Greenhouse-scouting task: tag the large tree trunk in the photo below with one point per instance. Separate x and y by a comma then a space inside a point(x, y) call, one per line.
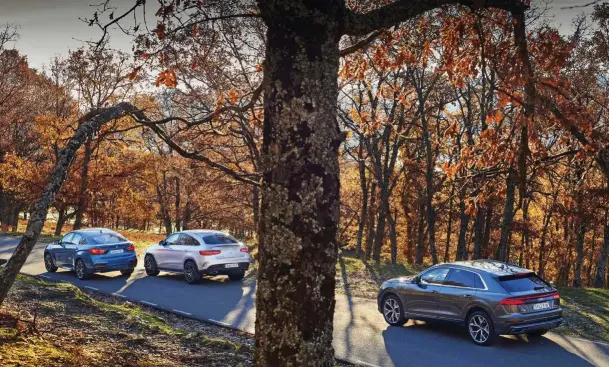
point(478, 233)
point(603, 258)
point(364, 211)
point(379, 239)
point(508, 218)
point(464, 220)
point(450, 223)
point(39, 213)
point(81, 207)
point(371, 223)
point(300, 186)
point(177, 204)
point(394, 238)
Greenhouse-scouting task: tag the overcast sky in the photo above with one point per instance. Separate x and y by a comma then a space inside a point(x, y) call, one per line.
point(52, 27)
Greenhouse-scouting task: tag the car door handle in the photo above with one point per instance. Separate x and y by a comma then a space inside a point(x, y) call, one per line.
point(434, 292)
point(467, 296)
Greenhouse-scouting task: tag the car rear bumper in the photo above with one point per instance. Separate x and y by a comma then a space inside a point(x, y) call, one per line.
point(103, 267)
point(221, 269)
point(535, 326)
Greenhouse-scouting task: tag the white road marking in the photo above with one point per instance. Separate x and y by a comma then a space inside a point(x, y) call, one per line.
point(148, 303)
point(220, 322)
point(44, 276)
point(362, 363)
point(182, 312)
point(590, 341)
point(94, 289)
point(119, 295)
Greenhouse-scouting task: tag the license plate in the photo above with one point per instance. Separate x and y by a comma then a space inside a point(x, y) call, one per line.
point(541, 306)
point(116, 251)
point(231, 265)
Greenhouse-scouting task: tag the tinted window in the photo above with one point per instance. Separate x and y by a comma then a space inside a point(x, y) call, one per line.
point(105, 238)
point(435, 276)
point(187, 240)
point(173, 239)
point(219, 239)
point(520, 283)
point(77, 239)
point(461, 278)
point(67, 238)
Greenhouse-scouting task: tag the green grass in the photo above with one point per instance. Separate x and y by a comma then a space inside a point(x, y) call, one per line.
point(359, 278)
point(133, 313)
point(586, 313)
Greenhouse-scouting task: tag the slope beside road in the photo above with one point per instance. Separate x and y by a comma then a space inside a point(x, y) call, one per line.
point(360, 334)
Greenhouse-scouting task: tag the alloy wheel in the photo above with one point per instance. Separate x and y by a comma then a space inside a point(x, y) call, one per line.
point(48, 262)
point(479, 329)
point(189, 273)
point(148, 263)
point(80, 270)
point(391, 310)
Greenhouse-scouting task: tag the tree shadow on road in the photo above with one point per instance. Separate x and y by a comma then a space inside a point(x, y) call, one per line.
point(439, 344)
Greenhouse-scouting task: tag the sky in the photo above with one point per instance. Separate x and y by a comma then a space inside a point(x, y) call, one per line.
point(50, 28)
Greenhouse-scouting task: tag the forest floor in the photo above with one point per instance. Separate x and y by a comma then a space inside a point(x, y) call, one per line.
point(48, 324)
point(585, 310)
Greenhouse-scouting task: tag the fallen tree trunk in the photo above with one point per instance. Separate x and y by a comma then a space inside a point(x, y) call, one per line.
point(91, 123)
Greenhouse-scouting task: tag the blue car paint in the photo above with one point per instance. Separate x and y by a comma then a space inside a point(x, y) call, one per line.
point(67, 254)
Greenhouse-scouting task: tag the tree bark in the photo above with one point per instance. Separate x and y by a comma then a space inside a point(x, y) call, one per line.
point(371, 222)
point(364, 211)
point(461, 243)
point(300, 185)
point(38, 215)
point(603, 258)
point(177, 204)
point(450, 223)
point(81, 207)
point(508, 217)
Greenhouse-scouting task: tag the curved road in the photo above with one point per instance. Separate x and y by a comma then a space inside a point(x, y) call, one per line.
point(360, 334)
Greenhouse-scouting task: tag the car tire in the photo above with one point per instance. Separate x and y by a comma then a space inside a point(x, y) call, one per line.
point(49, 263)
point(81, 270)
point(150, 266)
point(537, 334)
point(127, 272)
point(235, 277)
point(191, 273)
point(393, 311)
point(480, 329)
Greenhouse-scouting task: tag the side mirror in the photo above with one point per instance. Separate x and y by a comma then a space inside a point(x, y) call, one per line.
point(163, 243)
point(416, 280)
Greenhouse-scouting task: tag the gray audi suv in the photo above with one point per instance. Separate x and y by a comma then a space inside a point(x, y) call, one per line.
point(488, 297)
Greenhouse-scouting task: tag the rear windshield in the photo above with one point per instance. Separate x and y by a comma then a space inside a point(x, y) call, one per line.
point(105, 238)
point(523, 283)
point(219, 239)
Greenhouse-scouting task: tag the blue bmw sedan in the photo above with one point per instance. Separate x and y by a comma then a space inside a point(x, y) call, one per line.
point(88, 251)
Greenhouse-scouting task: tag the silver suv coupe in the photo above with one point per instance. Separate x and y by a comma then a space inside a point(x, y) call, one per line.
point(488, 297)
point(196, 253)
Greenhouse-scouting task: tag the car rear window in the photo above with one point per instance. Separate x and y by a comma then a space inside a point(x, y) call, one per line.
point(105, 238)
point(219, 239)
point(522, 283)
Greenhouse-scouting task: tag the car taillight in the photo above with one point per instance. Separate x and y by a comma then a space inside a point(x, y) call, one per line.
point(130, 248)
point(96, 251)
point(245, 249)
point(521, 300)
point(209, 252)
point(512, 301)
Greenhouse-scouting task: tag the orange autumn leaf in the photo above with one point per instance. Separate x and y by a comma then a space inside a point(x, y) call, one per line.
point(167, 78)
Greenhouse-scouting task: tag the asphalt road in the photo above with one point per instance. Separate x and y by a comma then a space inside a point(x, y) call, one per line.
point(360, 334)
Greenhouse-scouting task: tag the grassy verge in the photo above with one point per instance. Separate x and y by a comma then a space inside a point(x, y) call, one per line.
point(57, 324)
point(359, 278)
point(47, 324)
point(586, 313)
